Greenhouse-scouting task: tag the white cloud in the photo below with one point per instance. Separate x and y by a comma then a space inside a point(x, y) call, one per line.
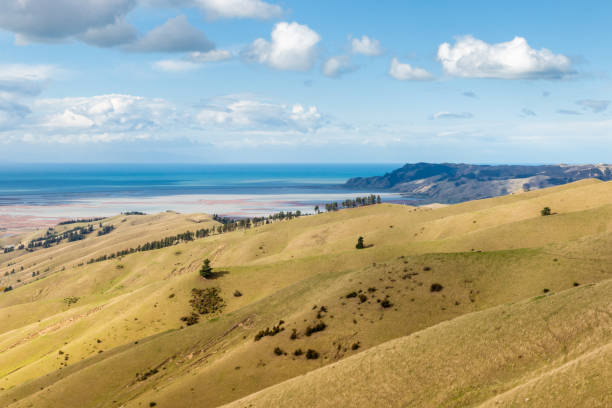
point(595, 105)
point(21, 79)
point(239, 9)
point(335, 66)
point(45, 20)
point(193, 61)
point(175, 35)
point(210, 56)
point(452, 115)
point(366, 46)
point(292, 47)
point(405, 72)
point(117, 33)
point(470, 57)
point(238, 113)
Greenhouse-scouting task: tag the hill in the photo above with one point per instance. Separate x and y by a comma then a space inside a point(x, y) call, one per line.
point(475, 303)
point(453, 183)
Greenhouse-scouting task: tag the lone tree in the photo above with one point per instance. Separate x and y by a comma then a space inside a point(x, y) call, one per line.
point(360, 243)
point(316, 209)
point(207, 271)
point(545, 211)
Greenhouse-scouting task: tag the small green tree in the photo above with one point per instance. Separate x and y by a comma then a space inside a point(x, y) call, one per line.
point(316, 209)
point(359, 243)
point(545, 211)
point(207, 270)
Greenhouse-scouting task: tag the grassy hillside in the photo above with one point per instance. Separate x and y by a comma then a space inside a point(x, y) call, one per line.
point(465, 287)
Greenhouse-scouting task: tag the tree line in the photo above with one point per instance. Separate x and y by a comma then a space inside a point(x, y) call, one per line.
point(348, 203)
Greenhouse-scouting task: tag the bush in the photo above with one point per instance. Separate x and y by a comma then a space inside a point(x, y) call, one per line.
point(312, 354)
point(386, 303)
point(355, 346)
point(351, 295)
point(546, 290)
point(278, 351)
point(545, 211)
point(237, 293)
point(298, 352)
point(426, 268)
point(363, 298)
point(206, 301)
point(316, 328)
point(191, 319)
point(270, 332)
point(576, 284)
point(293, 334)
point(436, 287)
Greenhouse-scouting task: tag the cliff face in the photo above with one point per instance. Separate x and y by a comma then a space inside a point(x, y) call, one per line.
point(452, 183)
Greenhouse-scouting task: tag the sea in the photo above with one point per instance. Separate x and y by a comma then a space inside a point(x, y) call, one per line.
point(34, 195)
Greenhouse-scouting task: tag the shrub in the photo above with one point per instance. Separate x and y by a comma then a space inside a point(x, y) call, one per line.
point(359, 243)
point(371, 290)
point(193, 318)
point(293, 334)
point(152, 404)
point(311, 354)
point(386, 303)
point(426, 268)
point(436, 287)
point(316, 328)
point(545, 211)
point(576, 284)
point(298, 352)
point(171, 296)
point(270, 332)
point(546, 290)
point(351, 295)
point(363, 298)
point(278, 351)
point(237, 293)
point(355, 346)
point(206, 301)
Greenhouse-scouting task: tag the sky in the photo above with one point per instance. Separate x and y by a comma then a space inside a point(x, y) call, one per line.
point(266, 81)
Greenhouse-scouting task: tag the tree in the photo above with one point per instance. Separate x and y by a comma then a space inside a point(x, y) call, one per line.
point(207, 271)
point(316, 209)
point(378, 200)
point(545, 211)
point(360, 243)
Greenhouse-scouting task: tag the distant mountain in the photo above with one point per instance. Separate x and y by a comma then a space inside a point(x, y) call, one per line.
point(453, 183)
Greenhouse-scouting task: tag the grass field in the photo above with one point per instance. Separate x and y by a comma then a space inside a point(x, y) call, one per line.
point(484, 303)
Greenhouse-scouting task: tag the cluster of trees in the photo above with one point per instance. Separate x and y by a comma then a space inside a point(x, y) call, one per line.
point(105, 229)
point(80, 220)
point(52, 237)
point(348, 203)
point(227, 225)
point(133, 213)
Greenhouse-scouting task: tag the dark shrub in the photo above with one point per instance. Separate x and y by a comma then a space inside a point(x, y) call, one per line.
point(278, 351)
point(293, 334)
point(270, 332)
point(363, 298)
point(371, 290)
point(386, 303)
point(576, 284)
point(355, 346)
point(351, 295)
point(546, 290)
point(316, 328)
point(152, 404)
point(206, 301)
point(545, 211)
point(237, 293)
point(193, 318)
point(298, 352)
point(436, 287)
point(426, 268)
point(359, 243)
point(312, 354)
point(206, 271)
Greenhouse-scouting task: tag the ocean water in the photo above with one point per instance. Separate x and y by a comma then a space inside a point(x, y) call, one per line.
point(33, 196)
point(41, 184)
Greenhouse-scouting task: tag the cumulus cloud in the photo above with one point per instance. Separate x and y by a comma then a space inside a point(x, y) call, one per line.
point(336, 66)
point(254, 115)
point(366, 46)
point(44, 20)
point(594, 105)
point(470, 57)
point(175, 35)
point(117, 33)
point(210, 56)
point(452, 115)
point(292, 47)
point(238, 9)
point(405, 72)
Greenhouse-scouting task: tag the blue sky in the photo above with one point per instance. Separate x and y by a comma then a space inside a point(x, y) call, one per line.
point(304, 81)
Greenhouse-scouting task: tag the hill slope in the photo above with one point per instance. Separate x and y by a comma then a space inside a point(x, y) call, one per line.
point(109, 333)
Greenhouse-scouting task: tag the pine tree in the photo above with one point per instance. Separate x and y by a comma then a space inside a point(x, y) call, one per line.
point(207, 271)
point(360, 243)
